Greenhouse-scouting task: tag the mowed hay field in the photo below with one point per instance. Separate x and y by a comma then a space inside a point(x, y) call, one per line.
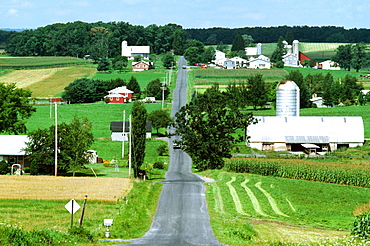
point(63, 188)
point(47, 81)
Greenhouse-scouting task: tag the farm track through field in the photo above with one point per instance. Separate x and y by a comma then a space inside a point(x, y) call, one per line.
point(234, 194)
point(254, 200)
point(270, 199)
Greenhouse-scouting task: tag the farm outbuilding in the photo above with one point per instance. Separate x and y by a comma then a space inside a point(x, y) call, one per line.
point(131, 51)
point(12, 149)
point(304, 133)
point(120, 134)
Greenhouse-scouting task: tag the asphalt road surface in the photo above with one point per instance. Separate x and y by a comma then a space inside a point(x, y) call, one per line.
point(182, 215)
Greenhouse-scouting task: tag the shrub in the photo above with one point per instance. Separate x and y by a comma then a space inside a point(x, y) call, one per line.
point(280, 64)
point(162, 149)
point(158, 165)
point(81, 233)
point(4, 167)
point(361, 226)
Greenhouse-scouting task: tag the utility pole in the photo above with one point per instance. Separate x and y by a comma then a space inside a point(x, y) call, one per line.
point(130, 148)
point(123, 134)
point(56, 140)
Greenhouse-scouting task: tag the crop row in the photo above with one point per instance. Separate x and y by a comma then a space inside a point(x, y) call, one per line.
point(322, 174)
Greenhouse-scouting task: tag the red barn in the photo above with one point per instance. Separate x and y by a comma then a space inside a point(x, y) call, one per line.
point(120, 95)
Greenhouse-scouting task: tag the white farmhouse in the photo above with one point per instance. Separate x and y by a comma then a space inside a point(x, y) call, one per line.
point(329, 65)
point(259, 62)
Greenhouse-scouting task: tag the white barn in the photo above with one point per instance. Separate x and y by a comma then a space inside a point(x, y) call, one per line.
point(304, 134)
point(131, 51)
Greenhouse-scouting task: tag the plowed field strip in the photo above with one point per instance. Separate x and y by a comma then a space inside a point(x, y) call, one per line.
point(236, 199)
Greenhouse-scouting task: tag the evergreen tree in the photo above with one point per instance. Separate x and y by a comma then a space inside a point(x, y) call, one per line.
point(139, 118)
point(327, 95)
point(279, 51)
point(134, 86)
point(238, 43)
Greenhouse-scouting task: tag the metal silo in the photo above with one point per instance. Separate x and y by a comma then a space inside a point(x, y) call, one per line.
point(287, 99)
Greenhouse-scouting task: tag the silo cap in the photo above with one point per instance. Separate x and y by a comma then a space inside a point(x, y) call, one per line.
point(287, 85)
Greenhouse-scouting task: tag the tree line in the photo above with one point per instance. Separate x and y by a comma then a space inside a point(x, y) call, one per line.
point(101, 39)
point(329, 34)
point(93, 90)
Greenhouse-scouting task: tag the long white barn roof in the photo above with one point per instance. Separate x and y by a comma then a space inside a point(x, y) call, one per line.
point(13, 144)
point(307, 129)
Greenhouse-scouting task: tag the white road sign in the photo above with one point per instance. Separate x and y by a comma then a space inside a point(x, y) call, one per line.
point(72, 206)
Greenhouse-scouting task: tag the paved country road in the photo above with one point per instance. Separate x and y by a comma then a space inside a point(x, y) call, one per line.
point(182, 215)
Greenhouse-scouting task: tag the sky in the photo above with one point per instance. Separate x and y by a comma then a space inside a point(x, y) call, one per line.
point(31, 14)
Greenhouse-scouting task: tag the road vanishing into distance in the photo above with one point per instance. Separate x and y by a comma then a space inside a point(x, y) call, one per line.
point(182, 216)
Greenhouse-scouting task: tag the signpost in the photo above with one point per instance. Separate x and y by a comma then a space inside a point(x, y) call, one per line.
point(72, 206)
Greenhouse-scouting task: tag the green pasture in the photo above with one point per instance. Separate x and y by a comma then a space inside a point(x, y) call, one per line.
point(100, 115)
point(236, 199)
point(40, 62)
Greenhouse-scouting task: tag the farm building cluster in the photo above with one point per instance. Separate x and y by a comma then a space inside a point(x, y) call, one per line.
point(293, 58)
point(288, 131)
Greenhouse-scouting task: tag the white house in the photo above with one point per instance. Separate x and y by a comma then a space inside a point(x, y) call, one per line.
point(140, 66)
point(131, 51)
point(12, 149)
point(229, 64)
point(220, 58)
point(259, 62)
point(239, 62)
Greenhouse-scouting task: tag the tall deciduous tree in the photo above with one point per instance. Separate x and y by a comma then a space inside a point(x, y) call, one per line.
point(207, 127)
point(139, 118)
point(257, 91)
point(360, 57)
point(74, 139)
point(304, 92)
point(168, 60)
point(344, 56)
point(14, 108)
point(155, 89)
point(160, 119)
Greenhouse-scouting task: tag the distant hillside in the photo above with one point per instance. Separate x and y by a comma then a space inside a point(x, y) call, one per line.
point(13, 29)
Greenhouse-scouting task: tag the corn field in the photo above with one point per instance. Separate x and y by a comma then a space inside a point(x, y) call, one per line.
point(325, 174)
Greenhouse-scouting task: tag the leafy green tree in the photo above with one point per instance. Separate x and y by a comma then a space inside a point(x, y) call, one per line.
point(168, 60)
point(139, 118)
point(350, 89)
point(103, 65)
point(160, 119)
point(207, 127)
point(154, 89)
point(304, 93)
point(257, 91)
point(221, 47)
point(248, 40)
point(360, 57)
point(99, 47)
point(15, 108)
point(119, 63)
point(134, 86)
point(344, 56)
point(85, 91)
point(279, 51)
point(209, 54)
point(194, 51)
point(178, 44)
point(327, 95)
point(238, 43)
point(74, 139)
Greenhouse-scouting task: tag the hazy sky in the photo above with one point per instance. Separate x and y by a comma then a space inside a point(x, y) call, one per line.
point(189, 14)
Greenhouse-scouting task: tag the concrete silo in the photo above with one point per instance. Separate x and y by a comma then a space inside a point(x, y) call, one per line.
point(287, 99)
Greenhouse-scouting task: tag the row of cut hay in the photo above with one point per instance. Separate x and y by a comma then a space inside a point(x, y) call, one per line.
point(63, 188)
point(303, 172)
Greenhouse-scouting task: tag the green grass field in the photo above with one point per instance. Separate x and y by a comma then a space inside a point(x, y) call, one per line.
point(39, 62)
point(280, 210)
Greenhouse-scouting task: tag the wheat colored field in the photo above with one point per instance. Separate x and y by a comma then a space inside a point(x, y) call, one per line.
point(63, 188)
point(49, 81)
